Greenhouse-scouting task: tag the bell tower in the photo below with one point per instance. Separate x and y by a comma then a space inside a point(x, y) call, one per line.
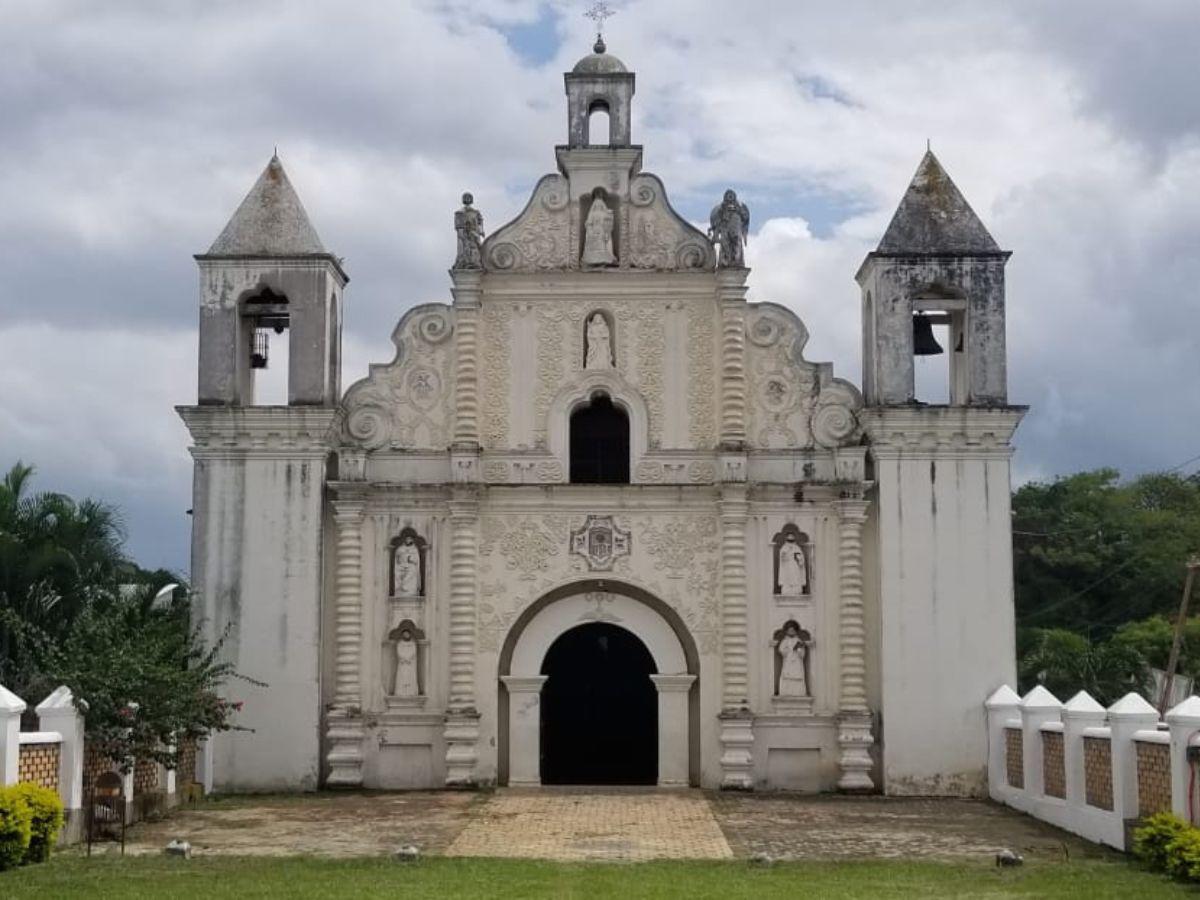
point(258, 484)
point(940, 522)
point(599, 83)
point(267, 278)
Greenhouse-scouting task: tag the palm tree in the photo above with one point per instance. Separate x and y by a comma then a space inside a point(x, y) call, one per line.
point(54, 554)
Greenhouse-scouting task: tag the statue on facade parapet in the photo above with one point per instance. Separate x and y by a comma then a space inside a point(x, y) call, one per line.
point(729, 227)
point(468, 224)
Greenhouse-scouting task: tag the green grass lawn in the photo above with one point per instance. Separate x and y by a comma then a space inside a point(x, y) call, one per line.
point(71, 875)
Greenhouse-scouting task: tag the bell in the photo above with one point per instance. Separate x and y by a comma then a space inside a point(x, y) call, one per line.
point(258, 349)
point(924, 343)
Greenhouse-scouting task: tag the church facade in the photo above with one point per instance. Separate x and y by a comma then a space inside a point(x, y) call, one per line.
point(600, 520)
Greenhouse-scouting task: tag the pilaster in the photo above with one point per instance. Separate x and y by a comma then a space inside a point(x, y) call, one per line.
point(466, 292)
point(731, 291)
point(344, 726)
point(462, 717)
point(736, 734)
point(854, 717)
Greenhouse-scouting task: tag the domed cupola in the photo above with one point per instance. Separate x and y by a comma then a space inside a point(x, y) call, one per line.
point(599, 81)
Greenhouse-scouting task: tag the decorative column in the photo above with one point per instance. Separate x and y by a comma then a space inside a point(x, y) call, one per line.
point(344, 725)
point(464, 452)
point(673, 728)
point(737, 721)
point(462, 717)
point(731, 288)
point(524, 728)
point(11, 707)
point(854, 717)
point(59, 713)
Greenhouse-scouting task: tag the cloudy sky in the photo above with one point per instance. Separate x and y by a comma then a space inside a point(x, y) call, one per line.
point(131, 131)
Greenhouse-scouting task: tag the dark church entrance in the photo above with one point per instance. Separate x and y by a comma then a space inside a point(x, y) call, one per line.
point(599, 709)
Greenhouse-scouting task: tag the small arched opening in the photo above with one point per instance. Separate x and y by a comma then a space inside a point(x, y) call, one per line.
point(599, 124)
point(599, 443)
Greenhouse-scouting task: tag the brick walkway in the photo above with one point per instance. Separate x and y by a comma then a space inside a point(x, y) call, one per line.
point(587, 825)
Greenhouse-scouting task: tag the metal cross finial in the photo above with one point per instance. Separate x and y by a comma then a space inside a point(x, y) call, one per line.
point(598, 13)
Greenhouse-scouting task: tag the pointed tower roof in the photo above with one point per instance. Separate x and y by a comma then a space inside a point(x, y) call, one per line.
point(934, 217)
point(271, 221)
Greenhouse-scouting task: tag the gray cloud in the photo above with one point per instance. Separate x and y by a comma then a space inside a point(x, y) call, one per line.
point(132, 132)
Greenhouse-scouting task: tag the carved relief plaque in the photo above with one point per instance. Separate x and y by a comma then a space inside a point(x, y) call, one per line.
point(600, 542)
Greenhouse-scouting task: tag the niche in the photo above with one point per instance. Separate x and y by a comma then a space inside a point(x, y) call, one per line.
point(792, 563)
point(408, 564)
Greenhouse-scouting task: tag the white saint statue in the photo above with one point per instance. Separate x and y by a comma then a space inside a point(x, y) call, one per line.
point(598, 233)
point(793, 568)
point(406, 665)
point(792, 648)
point(406, 569)
point(599, 344)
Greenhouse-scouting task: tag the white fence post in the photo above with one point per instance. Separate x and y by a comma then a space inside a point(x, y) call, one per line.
point(1184, 721)
point(58, 713)
point(1081, 712)
point(1128, 715)
point(11, 707)
point(1001, 707)
point(1038, 707)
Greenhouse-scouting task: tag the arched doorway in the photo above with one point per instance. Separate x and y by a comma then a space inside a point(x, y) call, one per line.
point(532, 648)
point(599, 709)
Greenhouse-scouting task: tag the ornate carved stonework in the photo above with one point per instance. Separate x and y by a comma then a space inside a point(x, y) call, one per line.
point(540, 237)
point(496, 340)
point(658, 237)
point(600, 542)
point(702, 416)
point(793, 403)
point(405, 404)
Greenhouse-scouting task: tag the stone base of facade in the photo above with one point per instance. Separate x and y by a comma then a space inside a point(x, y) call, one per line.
point(854, 757)
point(737, 750)
point(344, 734)
point(462, 748)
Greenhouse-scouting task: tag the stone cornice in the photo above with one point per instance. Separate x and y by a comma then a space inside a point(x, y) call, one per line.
point(601, 284)
point(266, 430)
point(896, 431)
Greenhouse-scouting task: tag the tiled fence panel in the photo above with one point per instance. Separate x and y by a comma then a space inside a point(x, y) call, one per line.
point(1014, 757)
point(39, 764)
point(1054, 773)
point(1154, 778)
point(1097, 770)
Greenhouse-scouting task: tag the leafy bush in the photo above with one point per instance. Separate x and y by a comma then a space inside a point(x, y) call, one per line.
point(1151, 840)
point(46, 813)
point(16, 821)
point(1167, 843)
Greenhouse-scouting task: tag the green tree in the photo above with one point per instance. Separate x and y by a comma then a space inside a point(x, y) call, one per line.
point(1066, 662)
point(1091, 553)
point(75, 610)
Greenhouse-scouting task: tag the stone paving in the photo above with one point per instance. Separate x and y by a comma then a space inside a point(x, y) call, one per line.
point(591, 825)
point(606, 824)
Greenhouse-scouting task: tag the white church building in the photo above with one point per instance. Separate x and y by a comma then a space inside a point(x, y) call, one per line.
point(600, 520)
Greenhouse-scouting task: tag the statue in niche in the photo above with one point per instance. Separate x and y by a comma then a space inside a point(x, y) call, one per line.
point(793, 567)
point(599, 344)
point(792, 644)
point(468, 224)
point(598, 232)
point(406, 568)
point(729, 226)
point(407, 683)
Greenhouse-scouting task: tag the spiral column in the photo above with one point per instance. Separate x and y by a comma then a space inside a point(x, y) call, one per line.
point(466, 358)
point(344, 726)
point(854, 717)
point(462, 717)
point(736, 720)
point(731, 286)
